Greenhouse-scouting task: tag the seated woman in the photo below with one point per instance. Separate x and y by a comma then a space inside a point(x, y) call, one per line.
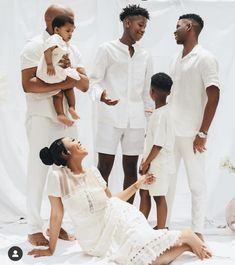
point(107, 227)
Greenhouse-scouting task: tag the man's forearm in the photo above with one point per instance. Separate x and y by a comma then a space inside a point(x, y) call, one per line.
point(83, 83)
point(210, 109)
point(35, 85)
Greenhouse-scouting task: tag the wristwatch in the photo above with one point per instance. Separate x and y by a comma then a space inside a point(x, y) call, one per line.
point(201, 134)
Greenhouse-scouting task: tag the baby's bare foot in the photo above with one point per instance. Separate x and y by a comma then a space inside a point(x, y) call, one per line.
point(66, 121)
point(73, 113)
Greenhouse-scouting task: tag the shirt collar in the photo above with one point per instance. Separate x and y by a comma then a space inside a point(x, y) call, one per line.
point(125, 47)
point(194, 51)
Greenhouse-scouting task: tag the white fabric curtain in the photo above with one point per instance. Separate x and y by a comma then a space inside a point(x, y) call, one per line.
point(98, 21)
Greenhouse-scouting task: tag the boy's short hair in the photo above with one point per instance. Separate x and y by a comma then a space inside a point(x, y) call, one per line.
point(134, 10)
point(161, 82)
point(61, 20)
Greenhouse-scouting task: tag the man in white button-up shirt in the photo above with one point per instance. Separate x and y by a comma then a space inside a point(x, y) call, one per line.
point(41, 123)
point(120, 84)
point(193, 102)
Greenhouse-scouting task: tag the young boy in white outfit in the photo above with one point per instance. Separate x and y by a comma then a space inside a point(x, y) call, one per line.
point(50, 71)
point(158, 156)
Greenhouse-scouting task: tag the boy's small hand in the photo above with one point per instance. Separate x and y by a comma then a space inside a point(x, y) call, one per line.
point(144, 167)
point(50, 70)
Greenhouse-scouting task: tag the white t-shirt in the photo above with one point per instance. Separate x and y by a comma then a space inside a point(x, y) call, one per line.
point(30, 58)
point(160, 132)
point(191, 75)
point(125, 78)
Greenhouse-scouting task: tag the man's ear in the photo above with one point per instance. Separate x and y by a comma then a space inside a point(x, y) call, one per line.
point(189, 25)
point(127, 23)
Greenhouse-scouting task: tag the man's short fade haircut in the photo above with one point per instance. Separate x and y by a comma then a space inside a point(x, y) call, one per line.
point(134, 10)
point(194, 17)
point(61, 20)
point(161, 82)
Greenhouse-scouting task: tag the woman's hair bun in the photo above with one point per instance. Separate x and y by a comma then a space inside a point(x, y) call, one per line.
point(46, 156)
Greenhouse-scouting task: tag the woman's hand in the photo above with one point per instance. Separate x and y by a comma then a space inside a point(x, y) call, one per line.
point(145, 179)
point(40, 252)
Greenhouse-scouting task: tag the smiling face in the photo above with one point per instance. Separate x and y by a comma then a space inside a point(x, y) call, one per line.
point(135, 27)
point(74, 147)
point(65, 31)
point(182, 29)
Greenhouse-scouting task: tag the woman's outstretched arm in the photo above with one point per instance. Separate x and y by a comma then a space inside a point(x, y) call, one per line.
point(57, 212)
point(126, 194)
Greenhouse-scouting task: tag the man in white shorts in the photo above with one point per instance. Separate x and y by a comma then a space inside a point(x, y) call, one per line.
point(41, 124)
point(193, 102)
point(123, 69)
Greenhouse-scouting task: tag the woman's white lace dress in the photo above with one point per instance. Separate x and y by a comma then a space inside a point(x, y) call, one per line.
point(107, 227)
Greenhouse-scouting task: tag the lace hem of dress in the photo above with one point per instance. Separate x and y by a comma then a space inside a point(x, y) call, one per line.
point(153, 249)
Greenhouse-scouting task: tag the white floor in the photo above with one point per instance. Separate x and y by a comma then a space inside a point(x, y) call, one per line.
point(220, 241)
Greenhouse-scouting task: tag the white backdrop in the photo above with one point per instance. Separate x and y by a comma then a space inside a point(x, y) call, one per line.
point(98, 21)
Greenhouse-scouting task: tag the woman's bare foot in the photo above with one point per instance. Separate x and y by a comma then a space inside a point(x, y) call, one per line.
point(66, 121)
point(38, 239)
point(73, 113)
point(63, 235)
point(196, 244)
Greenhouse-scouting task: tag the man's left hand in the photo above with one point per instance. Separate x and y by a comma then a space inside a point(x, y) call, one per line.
point(199, 144)
point(65, 61)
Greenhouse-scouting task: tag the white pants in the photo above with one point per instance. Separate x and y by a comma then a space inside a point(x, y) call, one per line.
point(41, 132)
point(195, 169)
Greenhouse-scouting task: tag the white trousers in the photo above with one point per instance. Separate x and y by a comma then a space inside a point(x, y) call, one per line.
point(41, 132)
point(195, 169)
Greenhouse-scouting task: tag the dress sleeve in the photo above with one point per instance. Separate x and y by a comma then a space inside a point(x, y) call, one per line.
point(99, 177)
point(54, 40)
point(53, 184)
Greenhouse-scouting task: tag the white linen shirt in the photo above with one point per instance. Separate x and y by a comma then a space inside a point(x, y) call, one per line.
point(30, 57)
point(124, 78)
point(160, 132)
point(191, 75)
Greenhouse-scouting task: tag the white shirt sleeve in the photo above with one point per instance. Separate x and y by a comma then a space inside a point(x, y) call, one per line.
point(53, 184)
point(99, 178)
point(98, 73)
point(31, 54)
point(54, 40)
point(209, 71)
point(148, 102)
point(159, 132)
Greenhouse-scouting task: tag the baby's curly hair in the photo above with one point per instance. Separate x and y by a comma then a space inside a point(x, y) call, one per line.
point(134, 10)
